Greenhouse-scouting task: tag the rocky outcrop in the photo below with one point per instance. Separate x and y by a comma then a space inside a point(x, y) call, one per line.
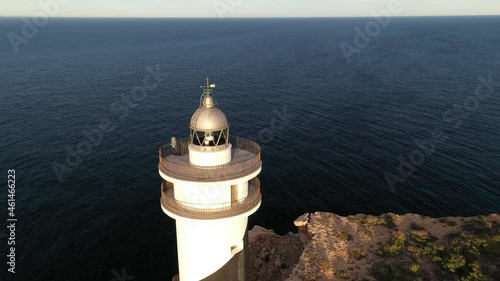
point(387, 247)
point(270, 256)
point(302, 220)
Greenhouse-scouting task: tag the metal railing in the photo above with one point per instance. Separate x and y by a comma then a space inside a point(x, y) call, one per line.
point(211, 211)
point(174, 162)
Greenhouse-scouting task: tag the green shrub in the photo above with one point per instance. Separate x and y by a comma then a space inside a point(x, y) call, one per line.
point(389, 221)
point(345, 236)
point(395, 247)
point(453, 262)
point(367, 220)
point(447, 221)
point(453, 235)
point(402, 271)
point(342, 274)
point(358, 254)
point(429, 251)
point(368, 232)
point(373, 221)
point(323, 264)
point(425, 239)
point(474, 274)
point(477, 226)
point(415, 268)
point(492, 246)
point(414, 226)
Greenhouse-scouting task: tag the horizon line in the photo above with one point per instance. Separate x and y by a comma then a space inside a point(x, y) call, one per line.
point(252, 17)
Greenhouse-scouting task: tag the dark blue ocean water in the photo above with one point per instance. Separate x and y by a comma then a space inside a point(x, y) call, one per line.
point(345, 126)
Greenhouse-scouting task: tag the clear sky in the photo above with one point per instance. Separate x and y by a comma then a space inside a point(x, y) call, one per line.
point(246, 8)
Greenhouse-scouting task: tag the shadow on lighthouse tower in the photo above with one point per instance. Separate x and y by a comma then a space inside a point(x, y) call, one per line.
point(210, 188)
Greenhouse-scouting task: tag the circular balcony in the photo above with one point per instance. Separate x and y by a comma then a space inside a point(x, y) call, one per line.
point(211, 211)
point(174, 162)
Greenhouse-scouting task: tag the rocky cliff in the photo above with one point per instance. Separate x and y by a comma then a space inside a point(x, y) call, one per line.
point(387, 247)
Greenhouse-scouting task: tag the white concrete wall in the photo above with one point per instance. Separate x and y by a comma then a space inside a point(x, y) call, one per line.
point(242, 190)
point(209, 158)
point(202, 194)
point(209, 192)
point(204, 246)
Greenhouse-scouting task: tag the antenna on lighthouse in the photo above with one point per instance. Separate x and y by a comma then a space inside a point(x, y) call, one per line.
point(207, 90)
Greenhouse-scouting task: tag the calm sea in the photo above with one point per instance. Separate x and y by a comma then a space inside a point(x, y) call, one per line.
point(331, 130)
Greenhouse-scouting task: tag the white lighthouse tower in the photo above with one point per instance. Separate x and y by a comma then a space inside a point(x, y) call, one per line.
point(210, 188)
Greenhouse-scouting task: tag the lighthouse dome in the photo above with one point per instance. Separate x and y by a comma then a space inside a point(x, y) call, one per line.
point(208, 117)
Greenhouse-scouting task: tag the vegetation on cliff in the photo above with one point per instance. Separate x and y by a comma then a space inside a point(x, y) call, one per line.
point(398, 247)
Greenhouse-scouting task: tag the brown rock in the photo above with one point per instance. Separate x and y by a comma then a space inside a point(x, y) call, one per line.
point(256, 232)
point(272, 257)
point(302, 220)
